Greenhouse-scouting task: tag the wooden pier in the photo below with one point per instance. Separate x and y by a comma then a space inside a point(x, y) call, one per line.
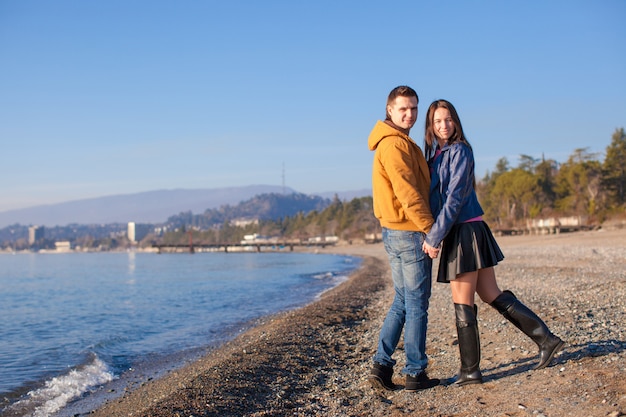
point(237, 247)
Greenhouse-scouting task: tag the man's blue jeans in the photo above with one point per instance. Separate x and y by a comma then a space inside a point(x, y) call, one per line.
point(412, 277)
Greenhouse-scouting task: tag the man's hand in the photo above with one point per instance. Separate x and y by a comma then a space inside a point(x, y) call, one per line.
point(432, 251)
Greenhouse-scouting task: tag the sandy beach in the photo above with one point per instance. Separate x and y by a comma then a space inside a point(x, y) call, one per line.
point(314, 361)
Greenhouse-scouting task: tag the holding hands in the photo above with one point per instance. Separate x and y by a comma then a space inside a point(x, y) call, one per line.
point(432, 251)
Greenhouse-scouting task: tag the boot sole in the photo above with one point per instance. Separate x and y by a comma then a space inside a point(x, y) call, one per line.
point(468, 382)
point(554, 351)
point(454, 381)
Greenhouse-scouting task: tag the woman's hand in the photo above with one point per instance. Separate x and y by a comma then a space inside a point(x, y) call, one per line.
point(432, 251)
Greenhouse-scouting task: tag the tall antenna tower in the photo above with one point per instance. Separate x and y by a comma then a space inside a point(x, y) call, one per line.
point(283, 178)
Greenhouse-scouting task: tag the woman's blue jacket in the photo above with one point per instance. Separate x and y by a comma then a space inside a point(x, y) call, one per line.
point(453, 198)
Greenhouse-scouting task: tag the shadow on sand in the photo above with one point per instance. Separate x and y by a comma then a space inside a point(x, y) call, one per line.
point(568, 354)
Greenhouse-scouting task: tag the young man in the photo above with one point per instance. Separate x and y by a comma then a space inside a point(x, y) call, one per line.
point(400, 185)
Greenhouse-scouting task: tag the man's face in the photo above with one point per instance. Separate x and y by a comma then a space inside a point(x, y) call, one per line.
point(403, 112)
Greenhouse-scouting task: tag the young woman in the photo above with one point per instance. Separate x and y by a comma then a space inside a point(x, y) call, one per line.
point(469, 250)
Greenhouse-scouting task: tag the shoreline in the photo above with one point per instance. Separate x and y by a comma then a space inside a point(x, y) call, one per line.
point(314, 360)
point(270, 339)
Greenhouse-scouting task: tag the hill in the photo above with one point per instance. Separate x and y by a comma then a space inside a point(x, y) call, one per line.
point(270, 206)
point(145, 207)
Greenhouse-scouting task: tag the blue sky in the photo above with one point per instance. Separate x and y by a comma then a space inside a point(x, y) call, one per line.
point(116, 97)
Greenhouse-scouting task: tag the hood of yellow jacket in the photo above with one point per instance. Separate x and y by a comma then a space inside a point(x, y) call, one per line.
point(380, 131)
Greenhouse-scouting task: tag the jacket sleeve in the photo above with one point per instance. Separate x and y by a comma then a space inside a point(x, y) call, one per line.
point(461, 166)
point(399, 163)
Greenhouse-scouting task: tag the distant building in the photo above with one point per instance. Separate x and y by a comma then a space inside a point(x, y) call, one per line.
point(324, 239)
point(131, 232)
point(35, 233)
point(136, 232)
point(243, 222)
point(63, 246)
point(256, 238)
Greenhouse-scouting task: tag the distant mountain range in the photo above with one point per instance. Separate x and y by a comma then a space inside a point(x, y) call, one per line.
point(146, 207)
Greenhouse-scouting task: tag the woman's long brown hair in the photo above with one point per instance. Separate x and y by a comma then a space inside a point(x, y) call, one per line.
point(430, 138)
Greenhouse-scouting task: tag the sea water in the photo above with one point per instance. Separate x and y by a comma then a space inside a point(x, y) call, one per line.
point(73, 324)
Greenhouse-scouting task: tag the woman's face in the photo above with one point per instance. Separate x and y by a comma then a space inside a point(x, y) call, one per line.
point(442, 124)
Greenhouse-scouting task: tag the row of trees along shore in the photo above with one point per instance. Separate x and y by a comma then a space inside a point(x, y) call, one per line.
point(581, 186)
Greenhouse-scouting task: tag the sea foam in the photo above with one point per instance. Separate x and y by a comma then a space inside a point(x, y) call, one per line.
point(59, 391)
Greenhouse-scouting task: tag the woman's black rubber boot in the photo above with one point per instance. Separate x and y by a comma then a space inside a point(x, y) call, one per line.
point(530, 324)
point(469, 345)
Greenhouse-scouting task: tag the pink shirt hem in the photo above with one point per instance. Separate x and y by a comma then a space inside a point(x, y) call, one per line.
point(475, 219)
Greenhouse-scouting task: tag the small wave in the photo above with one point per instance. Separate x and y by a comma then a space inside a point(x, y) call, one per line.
point(323, 275)
point(337, 279)
point(59, 391)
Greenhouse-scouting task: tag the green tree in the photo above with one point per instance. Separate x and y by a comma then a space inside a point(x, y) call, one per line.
point(357, 218)
point(578, 183)
point(613, 171)
point(484, 189)
point(516, 190)
point(527, 163)
point(546, 172)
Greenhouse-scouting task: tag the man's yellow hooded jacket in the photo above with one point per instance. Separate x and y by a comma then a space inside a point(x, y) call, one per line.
point(400, 180)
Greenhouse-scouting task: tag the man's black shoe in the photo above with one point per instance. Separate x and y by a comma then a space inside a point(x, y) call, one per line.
point(420, 382)
point(380, 377)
